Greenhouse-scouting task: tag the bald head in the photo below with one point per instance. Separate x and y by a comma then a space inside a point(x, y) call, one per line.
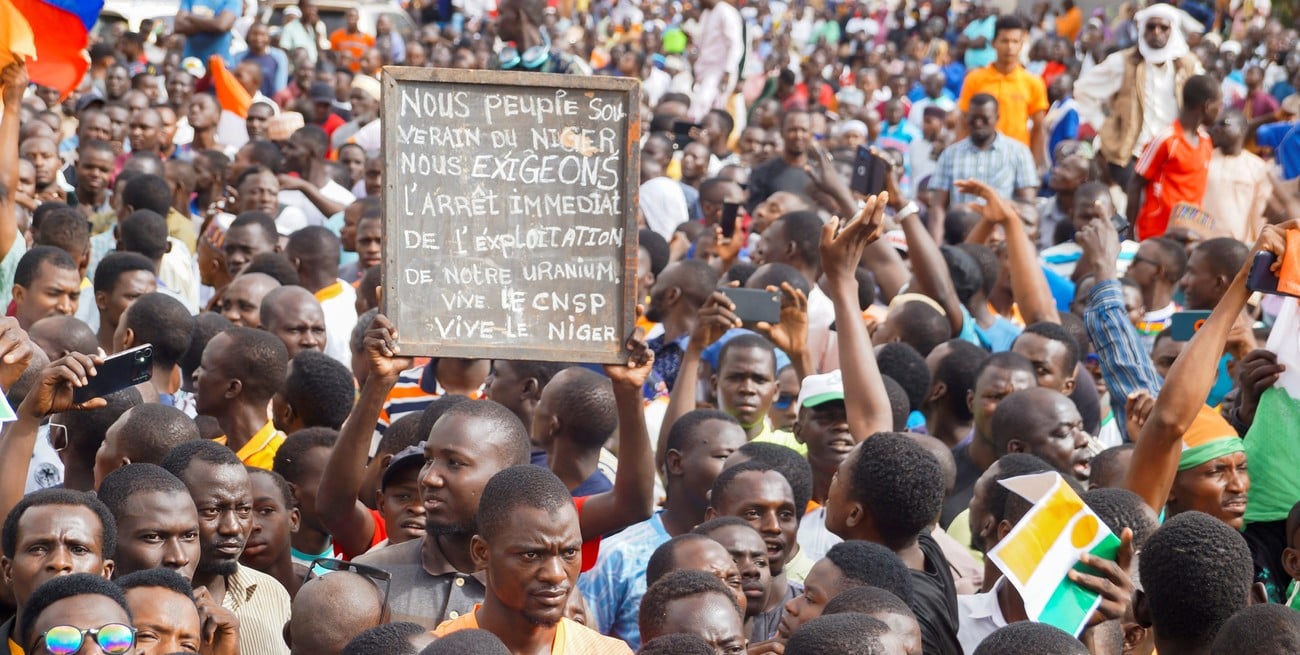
point(330, 610)
point(1043, 422)
point(295, 316)
point(941, 452)
point(241, 303)
point(60, 335)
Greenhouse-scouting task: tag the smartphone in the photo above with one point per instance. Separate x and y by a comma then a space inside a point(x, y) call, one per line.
point(1121, 225)
point(125, 369)
point(755, 305)
point(1185, 324)
point(730, 210)
point(869, 172)
point(1262, 278)
point(682, 133)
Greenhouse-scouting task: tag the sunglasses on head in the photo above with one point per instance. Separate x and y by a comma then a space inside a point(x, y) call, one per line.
point(382, 579)
point(112, 638)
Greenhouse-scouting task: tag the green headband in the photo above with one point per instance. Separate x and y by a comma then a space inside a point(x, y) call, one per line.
point(1194, 457)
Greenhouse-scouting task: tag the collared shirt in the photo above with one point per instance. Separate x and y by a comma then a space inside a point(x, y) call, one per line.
point(1020, 95)
point(262, 605)
point(614, 587)
point(1006, 165)
point(1125, 365)
point(338, 302)
point(261, 448)
point(978, 617)
point(571, 638)
point(423, 591)
point(1176, 171)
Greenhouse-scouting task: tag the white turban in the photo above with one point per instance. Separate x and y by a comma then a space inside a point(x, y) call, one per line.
point(1176, 46)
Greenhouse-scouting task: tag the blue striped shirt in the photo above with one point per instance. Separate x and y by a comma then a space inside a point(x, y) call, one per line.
point(1125, 365)
point(1006, 165)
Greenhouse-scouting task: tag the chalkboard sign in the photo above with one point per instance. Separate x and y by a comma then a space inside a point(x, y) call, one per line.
point(510, 224)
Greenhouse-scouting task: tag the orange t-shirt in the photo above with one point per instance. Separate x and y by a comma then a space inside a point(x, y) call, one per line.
point(1020, 94)
point(570, 638)
point(1176, 170)
point(355, 44)
point(1069, 24)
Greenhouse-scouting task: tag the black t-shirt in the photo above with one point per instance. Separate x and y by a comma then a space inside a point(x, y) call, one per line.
point(1267, 540)
point(775, 175)
point(962, 491)
point(934, 601)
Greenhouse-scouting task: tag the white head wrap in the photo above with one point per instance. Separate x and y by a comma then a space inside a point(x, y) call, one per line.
point(1176, 46)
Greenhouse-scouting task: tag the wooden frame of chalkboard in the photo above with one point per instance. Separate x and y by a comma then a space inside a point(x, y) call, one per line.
point(510, 213)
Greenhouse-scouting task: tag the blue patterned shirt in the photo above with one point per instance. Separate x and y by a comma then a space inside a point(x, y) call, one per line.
point(1125, 365)
point(614, 587)
point(1006, 165)
point(668, 357)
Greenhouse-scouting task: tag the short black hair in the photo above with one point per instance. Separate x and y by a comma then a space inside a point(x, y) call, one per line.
point(148, 192)
point(900, 483)
point(255, 219)
point(357, 340)
point(986, 260)
point(784, 460)
point(426, 418)
point(657, 248)
point(1005, 360)
point(161, 320)
point(1259, 630)
point(501, 423)
point(685, 429)
point(1200, 89)
point(386, 639)
point(519, 486)
point(664, 558)
point(1173, 257)
point(676, 586)
point(120, 486)
point(1030, 638)
point(967, 277)
point(116, 264)
point(260, 361)
point(314, 245)
point(956, 371)
point(1011, 465)
point(179, 459)
point(276, 265)
point(281, 485)
point(1008, 22)
point(678, 643)
point(921, 326)
point(60, 588)
point(900, 406)
point(773, 274)
point(206, 326)
point(154, 430)
point(462, 642)
point(162, 578)
point(804, 229)
point(65, 228)
point(66, 497)
point(903, 363)
point(839, 634)
point(319, 389)
point(31, 262)
point(710, 526)
point(265, 153)
point(145, 232)
point(86, 428)
point(1054, 332)
point(1195, 556)
point(982, 99)
point(584, 406)
point(698, 280)
point(1103, 461)
point(1121, 508)
point(1225, 255)
point(868, 600)
point(289, 458)
point(747, 341)
point(873, 565)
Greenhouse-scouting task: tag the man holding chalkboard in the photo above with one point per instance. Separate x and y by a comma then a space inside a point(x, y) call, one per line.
point(521, 22)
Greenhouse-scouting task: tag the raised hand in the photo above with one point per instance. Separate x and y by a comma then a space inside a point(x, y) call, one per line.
point(1114, 584)
point(1137, 408)
point(54, 390)
point(1100, 244)
point(14, 80)
point(791, 333)
point(842, 249)
point(15, 351)
point(220, 626)
point(640, 360)
point(383, 354)
point(1257, 371)
point(716, 317)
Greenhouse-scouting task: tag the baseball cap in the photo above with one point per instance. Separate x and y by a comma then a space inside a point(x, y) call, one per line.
point(409, 457)
point(821, 388)
point(321, 92)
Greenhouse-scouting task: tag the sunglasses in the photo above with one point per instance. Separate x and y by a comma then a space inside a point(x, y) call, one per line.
point(112, 638)
point(382, 579)
point(58, 437)
point(784, 401)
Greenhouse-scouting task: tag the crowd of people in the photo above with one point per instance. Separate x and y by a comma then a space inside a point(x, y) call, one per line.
point(1078, 265)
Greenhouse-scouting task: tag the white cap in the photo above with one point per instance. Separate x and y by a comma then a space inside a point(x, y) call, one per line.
point(822, 388)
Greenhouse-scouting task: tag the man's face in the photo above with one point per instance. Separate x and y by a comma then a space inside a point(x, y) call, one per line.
point(660, 304)
point(695, 160)
point(118, 117)
point(355, 161)
point(1218, 487)
point(374, 176)
point(243, 243)
point(223, 495)
point(399, 503)
point(991, 387)
point(203, 112)
point(370, 235)
point(764, 499)
point(272, 524)
point(259, 116)
point(26, 179)
point(1164, 353)
point(180, 86)
point(1156, 32)
point(55, 540)
point(258, 37)
point(710, 617)
point(773, 246)
point(746, 384)
point(117, 82)
point(702, 459)
point(352, 18)
point(129, 286)
point(260, 193)
point(983, 530)
point(94, 169)
point(84, 612)
point(1049, 359)
point(211, 381)
point(297, 155)
point(1059, 439)
point(54, 291)
point(1145, 268)
point(533, 562)
point(894, 112)
point(158, 529)
point(824, 582)
point(982, 122)
point(1008, 43)
point(784, 412)
point(43, 155)
point(300, 323)
point(825, 429)
point(1089, 208)
point(165, 621)
point(242, 300)
point(144, 130)
point(797, 133)
point(749, 553)
point(458, 462)
point(708, 556)
point(1202, 286)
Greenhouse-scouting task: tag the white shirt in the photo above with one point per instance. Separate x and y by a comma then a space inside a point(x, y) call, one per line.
point(1096, 89)
point(978, 616)
point(340, 318)
point(178, 276)
point(332, 190)
point(813, 537)
point(821, 313)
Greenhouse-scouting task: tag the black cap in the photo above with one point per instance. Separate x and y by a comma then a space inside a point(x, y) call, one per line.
point(321, 92)
point(410, 457)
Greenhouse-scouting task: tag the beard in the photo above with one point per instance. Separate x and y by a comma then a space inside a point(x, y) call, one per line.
point(542, 621)
point(433, 531)
point(654, 311)
point(223, 568)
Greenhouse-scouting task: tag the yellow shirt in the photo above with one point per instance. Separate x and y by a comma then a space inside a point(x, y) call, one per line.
point(570, 638)
point(1020, 94)
point(260, 450)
